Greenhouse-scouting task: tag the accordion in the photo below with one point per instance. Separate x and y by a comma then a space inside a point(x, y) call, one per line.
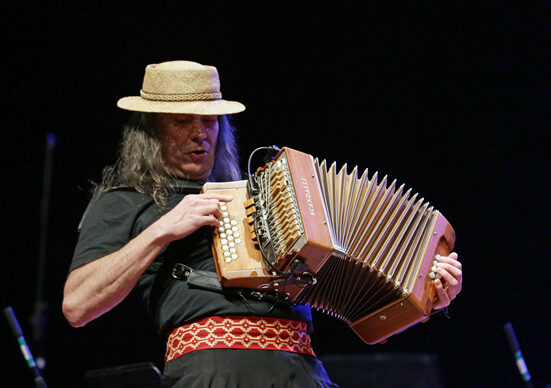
point(358, 248)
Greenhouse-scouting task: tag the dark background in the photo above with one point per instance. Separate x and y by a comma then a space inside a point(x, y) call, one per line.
point(451, 98)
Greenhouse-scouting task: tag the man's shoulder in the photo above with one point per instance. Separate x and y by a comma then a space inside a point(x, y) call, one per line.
point(115, 204)
point(126, 196)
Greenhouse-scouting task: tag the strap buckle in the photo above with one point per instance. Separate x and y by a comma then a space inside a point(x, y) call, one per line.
point(181, 271)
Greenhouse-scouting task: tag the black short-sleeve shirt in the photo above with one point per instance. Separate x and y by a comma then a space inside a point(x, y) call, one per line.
point(118, 216)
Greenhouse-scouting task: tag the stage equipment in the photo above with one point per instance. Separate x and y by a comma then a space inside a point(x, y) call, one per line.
point(39, 317)
point(139, 375)
point(358, 248)
point(519, 359)
point(25, 351)
point(388, 370)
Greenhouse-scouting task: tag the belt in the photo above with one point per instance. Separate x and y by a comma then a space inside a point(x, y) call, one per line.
point(239, 332)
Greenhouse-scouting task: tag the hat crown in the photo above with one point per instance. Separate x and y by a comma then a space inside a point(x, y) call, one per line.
point(180, 78)
point(180, 87)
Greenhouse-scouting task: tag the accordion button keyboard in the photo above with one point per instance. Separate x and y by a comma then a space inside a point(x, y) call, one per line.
point(228, 232)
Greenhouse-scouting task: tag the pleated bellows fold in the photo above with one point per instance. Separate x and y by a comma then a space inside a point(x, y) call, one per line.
point(379, 231)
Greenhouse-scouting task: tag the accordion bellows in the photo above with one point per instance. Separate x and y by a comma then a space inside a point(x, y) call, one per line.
point(368, 245)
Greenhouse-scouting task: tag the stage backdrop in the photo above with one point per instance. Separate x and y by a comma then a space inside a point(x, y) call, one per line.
point(451, 99)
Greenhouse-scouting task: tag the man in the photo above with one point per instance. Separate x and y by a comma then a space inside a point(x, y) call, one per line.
point(147, 217)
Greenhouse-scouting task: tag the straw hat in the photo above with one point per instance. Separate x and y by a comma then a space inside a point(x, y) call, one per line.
point(181, 87)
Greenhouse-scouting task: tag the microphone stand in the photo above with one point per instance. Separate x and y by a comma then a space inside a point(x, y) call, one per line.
point(521, 364)
point(39, 319)
point(18, 334)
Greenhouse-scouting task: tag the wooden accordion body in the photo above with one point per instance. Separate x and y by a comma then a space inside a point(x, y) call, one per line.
point(357, 248)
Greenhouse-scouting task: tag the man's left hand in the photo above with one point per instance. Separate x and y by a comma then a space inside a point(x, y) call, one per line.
point(449, 284)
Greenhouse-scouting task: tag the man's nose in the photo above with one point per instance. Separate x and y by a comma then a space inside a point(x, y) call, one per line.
point(199, 130)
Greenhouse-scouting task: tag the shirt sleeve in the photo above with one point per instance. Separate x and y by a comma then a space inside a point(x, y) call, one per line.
point(106, 227)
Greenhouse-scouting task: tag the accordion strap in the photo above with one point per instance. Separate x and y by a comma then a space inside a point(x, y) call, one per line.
point(208, 280)
point(196, 278)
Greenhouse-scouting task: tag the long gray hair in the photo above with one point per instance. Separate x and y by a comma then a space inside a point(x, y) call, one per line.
point(140, 164)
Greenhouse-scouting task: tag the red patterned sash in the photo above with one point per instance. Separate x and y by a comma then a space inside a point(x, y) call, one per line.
point(234, 332)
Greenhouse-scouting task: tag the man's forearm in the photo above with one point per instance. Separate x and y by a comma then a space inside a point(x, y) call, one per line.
point(97, 287)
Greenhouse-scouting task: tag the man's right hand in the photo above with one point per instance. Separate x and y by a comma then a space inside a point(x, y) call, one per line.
point(192, 213)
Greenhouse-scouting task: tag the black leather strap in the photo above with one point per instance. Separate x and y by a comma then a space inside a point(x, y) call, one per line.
point(208, 280)
point(195, 278)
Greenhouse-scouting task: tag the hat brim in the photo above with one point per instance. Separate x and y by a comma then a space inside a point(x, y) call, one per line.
point(214, 107)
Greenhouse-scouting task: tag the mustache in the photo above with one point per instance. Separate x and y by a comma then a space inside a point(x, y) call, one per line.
point(197, 147)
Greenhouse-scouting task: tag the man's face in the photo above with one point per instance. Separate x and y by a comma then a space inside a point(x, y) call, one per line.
point(188, 143)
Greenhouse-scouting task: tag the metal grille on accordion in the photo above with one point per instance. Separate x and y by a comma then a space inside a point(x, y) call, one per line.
point(356, 247)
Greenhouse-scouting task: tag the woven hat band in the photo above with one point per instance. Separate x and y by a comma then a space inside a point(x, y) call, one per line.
point(181, 97)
